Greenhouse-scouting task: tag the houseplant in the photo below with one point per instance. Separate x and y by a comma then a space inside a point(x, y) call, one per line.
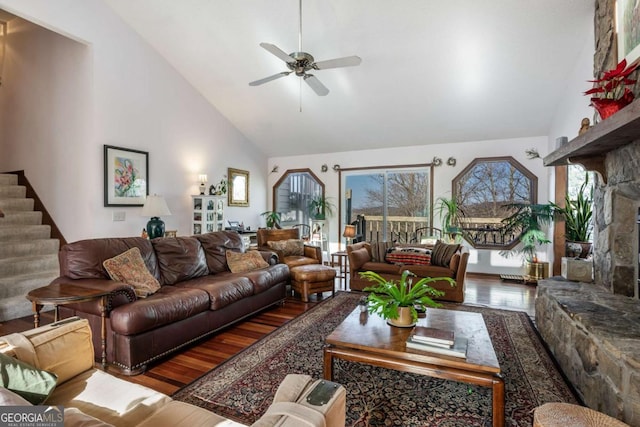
point(450, 215)
point(272, 219)
point(577, 215)
point(610, 93)
point(320, 207)
point(529, 221)
point(396, 301)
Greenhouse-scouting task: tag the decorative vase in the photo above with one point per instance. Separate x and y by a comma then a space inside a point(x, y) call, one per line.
point(608, 107)
point(404, 320)
point(578, 249)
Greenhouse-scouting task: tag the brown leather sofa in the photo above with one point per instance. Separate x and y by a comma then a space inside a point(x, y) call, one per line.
point(361, 259)
point(198, 296)
point(311, 254)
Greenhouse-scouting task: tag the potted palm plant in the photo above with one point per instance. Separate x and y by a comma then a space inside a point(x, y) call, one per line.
point(272, 218)
point(320, 207)
point(450, 215)
point(529, 221)
point(577, 215)
point(396, 301)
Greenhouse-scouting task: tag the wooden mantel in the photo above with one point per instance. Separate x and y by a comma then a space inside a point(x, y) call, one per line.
point(590, 148)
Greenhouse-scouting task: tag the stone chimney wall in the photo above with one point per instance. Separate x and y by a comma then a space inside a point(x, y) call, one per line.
point(616, 203)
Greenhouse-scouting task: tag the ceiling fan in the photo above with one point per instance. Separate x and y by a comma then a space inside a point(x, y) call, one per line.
point(301, 62)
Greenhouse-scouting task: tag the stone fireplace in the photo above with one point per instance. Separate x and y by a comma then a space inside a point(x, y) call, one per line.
point(593, 329)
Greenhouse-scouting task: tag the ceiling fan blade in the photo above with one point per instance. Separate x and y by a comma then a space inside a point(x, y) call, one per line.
point(275, 50)
point(268, 79)
point(314, 83)
point(347, 61)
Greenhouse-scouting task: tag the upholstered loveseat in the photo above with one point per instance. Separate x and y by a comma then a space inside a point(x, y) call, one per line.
point(198, 294)
point(365, 256)
point(57, 360)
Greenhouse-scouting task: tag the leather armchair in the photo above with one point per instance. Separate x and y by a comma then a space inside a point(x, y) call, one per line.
point(312, 254)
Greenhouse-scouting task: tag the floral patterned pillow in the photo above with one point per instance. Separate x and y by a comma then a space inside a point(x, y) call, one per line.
point(241, 262)
point(129, 267)
point(290, 247)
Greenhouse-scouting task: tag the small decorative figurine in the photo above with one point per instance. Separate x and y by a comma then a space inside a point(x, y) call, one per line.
point(584, 126)
point(144, 234)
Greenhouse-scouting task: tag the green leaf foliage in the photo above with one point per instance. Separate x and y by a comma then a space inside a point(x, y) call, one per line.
point(387, 295)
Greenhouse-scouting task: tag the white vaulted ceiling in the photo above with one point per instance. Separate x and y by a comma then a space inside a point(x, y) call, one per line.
point(433, 71)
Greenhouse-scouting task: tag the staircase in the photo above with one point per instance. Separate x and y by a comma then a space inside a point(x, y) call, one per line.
point(28, 254)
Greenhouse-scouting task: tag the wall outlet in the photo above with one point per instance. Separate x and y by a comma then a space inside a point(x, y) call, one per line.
point(119, 216)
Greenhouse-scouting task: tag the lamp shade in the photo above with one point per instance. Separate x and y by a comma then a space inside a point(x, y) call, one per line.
point(155, 206)
point(202, 178)
point(349, 231)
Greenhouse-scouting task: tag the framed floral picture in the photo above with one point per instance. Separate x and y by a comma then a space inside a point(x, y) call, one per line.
point(627, 24)
point(126, 176)
point(238, 187)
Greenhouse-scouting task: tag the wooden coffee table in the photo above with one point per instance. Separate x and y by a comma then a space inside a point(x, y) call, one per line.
point(367, 338)
point(66, 293)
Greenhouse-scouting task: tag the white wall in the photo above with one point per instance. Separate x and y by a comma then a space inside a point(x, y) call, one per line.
point(481, 260)
point(63, 99)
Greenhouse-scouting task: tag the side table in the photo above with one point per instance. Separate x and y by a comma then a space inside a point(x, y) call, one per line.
point(343, 267)
point(66, 293)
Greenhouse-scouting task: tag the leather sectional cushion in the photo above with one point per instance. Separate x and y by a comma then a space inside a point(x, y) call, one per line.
point(215, 246)
point(83, 259)
point(296, 260)
point(222, 289)
point(381, 267)
point(429, 270)
point(180, 259)
point(265, 279)
point(170, 304)
point(64, 349)
point(129, 267)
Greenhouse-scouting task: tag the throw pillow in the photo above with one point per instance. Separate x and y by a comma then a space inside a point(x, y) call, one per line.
point(289, 247)
point(442, 253)
point(23, 379)
point(379, 250)
point(241, 262)
point(129, 267)
point(404, 257)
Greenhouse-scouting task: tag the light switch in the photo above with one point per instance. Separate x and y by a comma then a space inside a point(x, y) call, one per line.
point(119, 216)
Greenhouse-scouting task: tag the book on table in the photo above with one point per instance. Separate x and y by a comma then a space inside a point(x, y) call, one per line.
point(433, 336)
point(459, 348)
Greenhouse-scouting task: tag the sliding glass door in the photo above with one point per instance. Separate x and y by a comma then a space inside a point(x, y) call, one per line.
point(395, 202)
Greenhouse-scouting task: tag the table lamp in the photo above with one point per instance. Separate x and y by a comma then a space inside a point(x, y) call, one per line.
point(154, 207)
point(349, 233)
point(203, 180)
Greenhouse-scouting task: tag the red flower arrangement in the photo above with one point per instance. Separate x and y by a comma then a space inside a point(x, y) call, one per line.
point(614, 95)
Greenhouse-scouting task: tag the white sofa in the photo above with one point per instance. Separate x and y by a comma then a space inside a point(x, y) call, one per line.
point(94, 398)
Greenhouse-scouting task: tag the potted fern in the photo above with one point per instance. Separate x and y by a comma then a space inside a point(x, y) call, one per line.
point(396, 301)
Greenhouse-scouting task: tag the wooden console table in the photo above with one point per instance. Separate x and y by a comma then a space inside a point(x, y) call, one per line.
point(66, 293)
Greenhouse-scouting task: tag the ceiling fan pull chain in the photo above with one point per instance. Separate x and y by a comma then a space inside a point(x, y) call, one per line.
point(300, 92)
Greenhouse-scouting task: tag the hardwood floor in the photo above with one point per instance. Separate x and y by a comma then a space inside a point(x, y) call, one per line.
point(179, 370)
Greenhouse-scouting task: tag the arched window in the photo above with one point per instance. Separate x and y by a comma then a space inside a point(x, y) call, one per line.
point(483, 189)
point(293, 193)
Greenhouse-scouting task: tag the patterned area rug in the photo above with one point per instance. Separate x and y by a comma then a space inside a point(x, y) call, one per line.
point(242, 387)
